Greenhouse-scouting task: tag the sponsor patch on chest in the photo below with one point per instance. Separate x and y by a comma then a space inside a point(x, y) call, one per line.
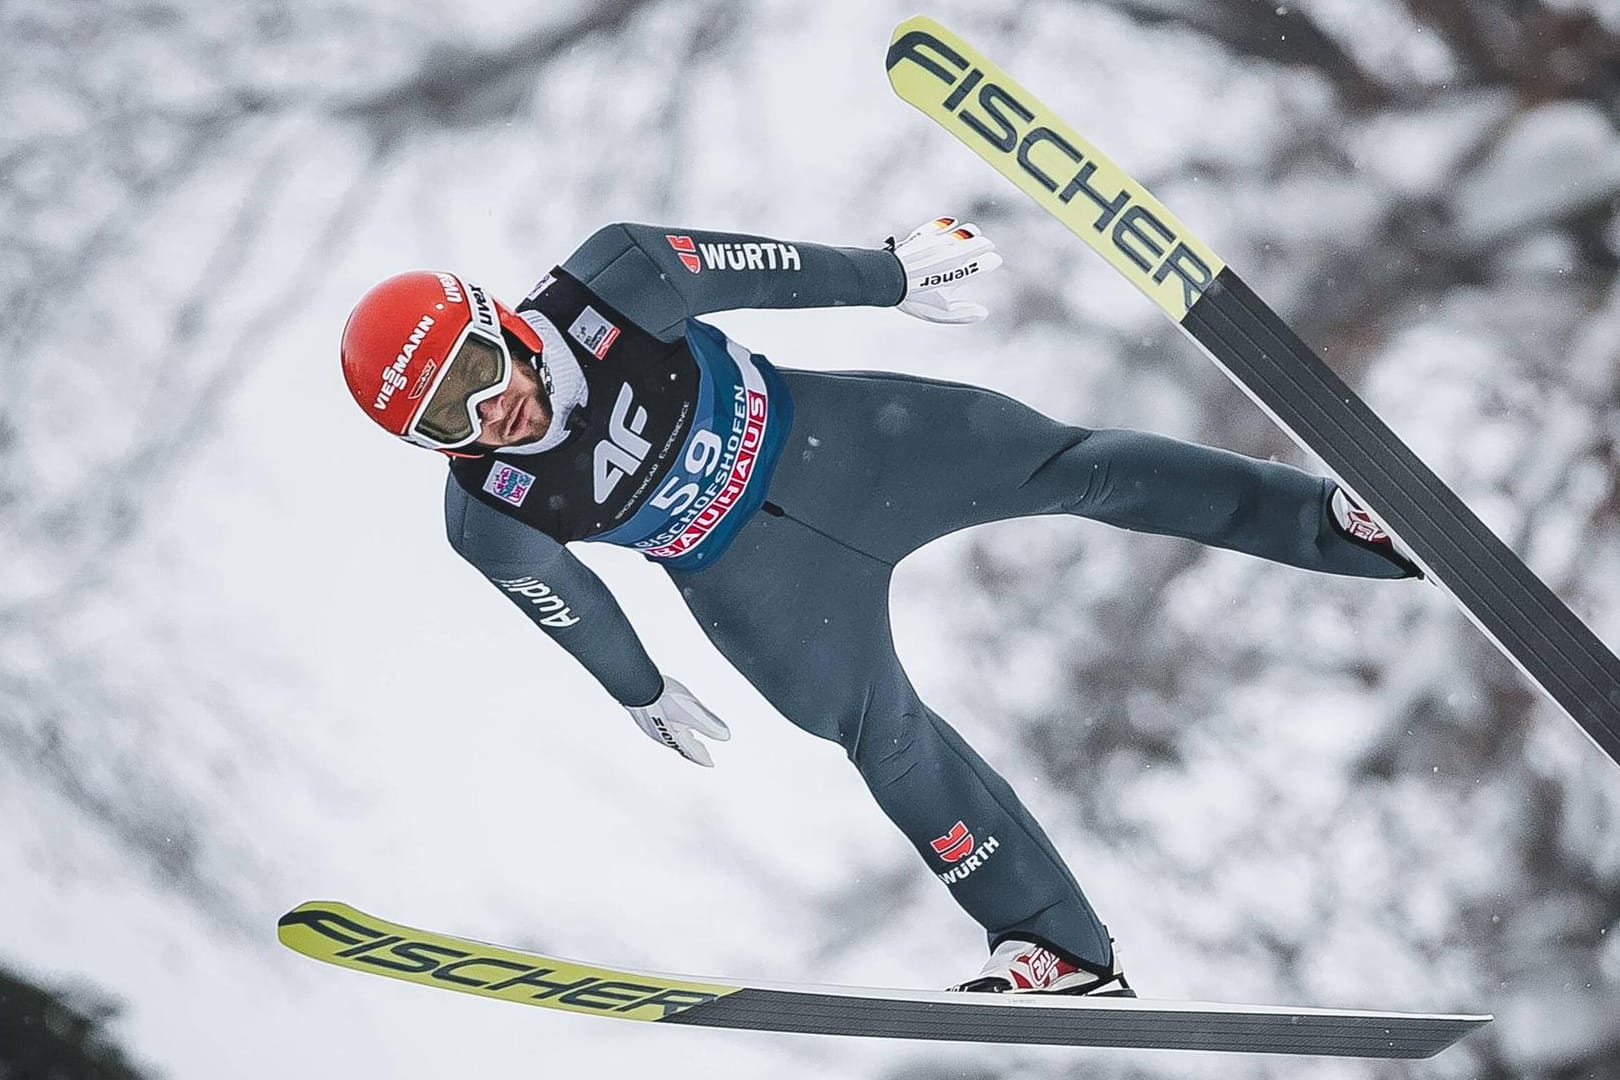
point(594, 332)
point(508, 483)
point(541, 286)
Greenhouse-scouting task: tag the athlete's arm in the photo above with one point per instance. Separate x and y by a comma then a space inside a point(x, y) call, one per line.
point(557, 591)
point(659, 277)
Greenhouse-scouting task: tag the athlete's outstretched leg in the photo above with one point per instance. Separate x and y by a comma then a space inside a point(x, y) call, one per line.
point(919, 459)
point(805, 619)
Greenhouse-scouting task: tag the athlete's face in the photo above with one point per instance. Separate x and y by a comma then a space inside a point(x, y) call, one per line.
point(519, 414)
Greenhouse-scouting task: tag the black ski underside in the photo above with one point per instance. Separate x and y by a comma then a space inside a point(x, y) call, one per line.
point(1509, 602)
point(1372, 1036)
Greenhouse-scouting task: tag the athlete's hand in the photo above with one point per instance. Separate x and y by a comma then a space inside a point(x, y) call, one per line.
point(672, 718)
point(937, 257)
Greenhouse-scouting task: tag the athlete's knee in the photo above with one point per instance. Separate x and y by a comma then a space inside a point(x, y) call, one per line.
point(1070, 468)
point(886, 751)
point(884, 734)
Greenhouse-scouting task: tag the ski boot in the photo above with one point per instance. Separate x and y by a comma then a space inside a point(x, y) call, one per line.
point(1357, 524)
point(1022, 967)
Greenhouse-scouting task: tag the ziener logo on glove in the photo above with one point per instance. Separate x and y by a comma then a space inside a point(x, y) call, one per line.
point(665, 735)
point(934, 280)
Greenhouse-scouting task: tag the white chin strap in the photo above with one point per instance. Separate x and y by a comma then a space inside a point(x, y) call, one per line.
point(568, 389)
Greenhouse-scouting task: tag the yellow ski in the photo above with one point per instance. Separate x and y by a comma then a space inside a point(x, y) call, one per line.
point(342, 935)
point(1026, 142)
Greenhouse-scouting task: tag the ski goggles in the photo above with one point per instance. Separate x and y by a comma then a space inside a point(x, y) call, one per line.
point(479, 368)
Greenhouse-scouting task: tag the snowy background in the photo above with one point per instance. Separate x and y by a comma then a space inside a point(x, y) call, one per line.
point(240, 667)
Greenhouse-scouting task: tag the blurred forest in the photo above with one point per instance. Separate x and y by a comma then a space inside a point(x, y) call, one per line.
point(46, 1035)
point(1276, 786)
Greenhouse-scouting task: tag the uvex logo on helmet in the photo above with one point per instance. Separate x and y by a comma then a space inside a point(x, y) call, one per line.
point(452, 287)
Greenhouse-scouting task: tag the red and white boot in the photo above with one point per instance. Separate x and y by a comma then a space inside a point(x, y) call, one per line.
point(1022, 967)
point(1357, 524)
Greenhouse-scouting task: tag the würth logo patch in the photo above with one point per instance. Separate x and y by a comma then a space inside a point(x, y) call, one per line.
point(954, 845)
point(735, 254)
point(687, 251)
point(967, 858)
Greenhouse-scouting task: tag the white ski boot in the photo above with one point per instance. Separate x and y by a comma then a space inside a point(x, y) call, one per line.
point(1022, 967)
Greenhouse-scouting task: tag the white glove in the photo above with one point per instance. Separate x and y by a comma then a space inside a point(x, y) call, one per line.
point(672, 718)
point(936, 258)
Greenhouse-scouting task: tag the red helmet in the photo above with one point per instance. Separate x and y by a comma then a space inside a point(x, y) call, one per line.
point(422, 350)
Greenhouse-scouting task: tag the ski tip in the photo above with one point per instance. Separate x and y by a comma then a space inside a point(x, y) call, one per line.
point(295, 915)
point(912, 35)
point(916, 22)
point(312, 915)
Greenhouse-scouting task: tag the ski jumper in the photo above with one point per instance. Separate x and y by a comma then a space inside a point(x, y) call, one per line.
point(779, 504)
